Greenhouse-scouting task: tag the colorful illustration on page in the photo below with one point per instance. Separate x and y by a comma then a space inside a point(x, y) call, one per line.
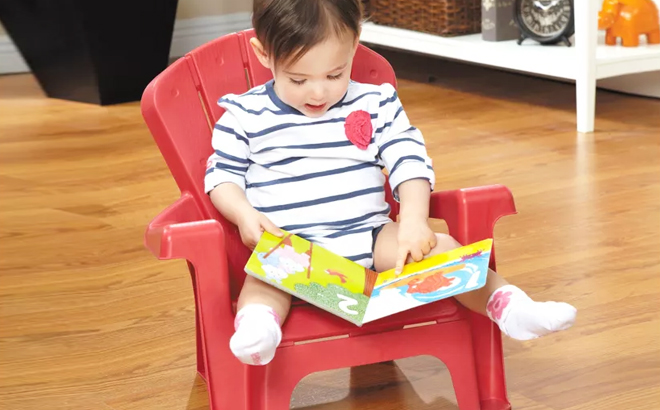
point(455, 272)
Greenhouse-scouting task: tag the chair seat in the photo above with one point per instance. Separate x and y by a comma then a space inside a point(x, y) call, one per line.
point(306, 322)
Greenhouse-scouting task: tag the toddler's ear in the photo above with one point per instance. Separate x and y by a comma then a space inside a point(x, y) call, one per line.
point(260, 52)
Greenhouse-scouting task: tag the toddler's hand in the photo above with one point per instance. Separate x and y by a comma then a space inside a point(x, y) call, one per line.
point(252, 224)
point(415, 238)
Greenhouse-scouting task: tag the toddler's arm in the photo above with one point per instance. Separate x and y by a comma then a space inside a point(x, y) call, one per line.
point(414, 237)
point(400, 145)
point(415, 197)
point(230, 200)
point(225, 181)
point(411, 176)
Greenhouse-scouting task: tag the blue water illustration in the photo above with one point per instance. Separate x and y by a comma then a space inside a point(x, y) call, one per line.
point(472, 276)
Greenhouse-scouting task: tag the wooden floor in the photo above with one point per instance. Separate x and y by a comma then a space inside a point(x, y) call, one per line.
point(90, 320)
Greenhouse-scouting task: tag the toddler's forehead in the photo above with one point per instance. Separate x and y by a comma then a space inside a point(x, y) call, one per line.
point(324, 57)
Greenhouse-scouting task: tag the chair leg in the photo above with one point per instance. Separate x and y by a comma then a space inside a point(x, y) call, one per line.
point(256, 388)
point(280, 399)
point(495, 404)
point(229, 385)
point(280, 393)
point(201, 368)
point(457, 354)
point(247, 388)
point(467, 394)
point(283, 377)
point(489, 362)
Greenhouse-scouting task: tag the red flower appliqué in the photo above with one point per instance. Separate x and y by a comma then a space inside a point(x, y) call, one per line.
point(498, 303)
point(358, 128)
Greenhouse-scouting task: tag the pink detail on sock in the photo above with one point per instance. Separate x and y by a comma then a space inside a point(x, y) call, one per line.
point(498, 302)
point(239, 317)
point(276, 317)
point(237, 321)
point(256, 358)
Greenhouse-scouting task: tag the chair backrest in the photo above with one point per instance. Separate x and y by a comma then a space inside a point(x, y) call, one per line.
point(179, 107)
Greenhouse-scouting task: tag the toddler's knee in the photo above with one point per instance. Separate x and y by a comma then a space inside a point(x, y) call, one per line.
point(445, 243)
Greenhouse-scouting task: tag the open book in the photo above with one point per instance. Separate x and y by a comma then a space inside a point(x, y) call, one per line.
point(360, 295)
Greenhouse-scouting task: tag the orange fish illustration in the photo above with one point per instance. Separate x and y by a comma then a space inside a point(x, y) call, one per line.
point(417, 279)
point(430, 284)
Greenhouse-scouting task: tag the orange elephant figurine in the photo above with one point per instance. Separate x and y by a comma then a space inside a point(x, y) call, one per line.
point(628, 19)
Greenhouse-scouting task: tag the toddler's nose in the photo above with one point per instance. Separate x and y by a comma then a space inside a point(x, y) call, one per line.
point(317, 93)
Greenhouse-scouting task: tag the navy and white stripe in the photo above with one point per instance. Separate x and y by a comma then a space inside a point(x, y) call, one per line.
point(306, 176)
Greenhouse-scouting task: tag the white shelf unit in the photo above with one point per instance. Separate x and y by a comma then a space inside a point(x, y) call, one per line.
point(588, 60)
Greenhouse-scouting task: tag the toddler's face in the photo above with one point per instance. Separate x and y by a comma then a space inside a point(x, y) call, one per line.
point(319, 79)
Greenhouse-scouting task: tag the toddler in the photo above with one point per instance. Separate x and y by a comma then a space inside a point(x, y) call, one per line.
point(305, 153)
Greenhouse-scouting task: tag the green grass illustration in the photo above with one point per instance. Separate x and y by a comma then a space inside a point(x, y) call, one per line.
point(327, 296)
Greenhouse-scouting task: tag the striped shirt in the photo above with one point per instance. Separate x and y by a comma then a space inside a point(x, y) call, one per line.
point(306, 175)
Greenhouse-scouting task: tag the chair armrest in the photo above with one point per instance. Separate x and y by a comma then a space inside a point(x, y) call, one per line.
point(159, 237)
point(471, 213)
point(176, 233)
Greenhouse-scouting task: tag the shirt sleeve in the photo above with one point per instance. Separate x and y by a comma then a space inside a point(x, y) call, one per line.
point(401, 146)
point(229, 161)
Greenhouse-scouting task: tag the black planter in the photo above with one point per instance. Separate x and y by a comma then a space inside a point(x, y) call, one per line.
point(95, 51)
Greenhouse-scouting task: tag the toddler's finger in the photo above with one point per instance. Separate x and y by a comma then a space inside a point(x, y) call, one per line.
point(270, 227)
point(401, 260)
point(416, 254)
point(426, 248)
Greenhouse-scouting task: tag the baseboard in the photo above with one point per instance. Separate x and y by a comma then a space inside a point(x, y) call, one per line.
point(188, 34)
point(11, 60)
point(641, 84)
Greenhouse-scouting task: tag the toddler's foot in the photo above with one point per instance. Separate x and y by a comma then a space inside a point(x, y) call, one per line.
point(257, 334)
point(520, 317)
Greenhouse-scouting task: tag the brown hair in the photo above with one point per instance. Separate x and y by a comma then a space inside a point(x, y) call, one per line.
point(289, 28)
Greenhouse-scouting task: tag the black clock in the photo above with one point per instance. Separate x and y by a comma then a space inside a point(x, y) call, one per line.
point(545, 21)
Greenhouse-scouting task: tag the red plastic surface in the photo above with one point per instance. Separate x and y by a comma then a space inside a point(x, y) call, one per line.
point(175, 107)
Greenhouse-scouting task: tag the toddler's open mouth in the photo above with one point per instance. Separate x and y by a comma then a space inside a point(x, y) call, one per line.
point(311, 107)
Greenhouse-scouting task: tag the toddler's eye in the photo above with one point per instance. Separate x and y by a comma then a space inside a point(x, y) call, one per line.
point(335, 77)
point(297, 82)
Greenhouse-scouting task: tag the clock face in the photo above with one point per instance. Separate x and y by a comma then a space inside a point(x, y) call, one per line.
point(545, 18)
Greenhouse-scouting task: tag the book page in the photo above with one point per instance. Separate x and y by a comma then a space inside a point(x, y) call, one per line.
point(435, 278)
point(313, 274)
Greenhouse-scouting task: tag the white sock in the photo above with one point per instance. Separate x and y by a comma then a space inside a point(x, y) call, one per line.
point(520, 317)
point(257, 334)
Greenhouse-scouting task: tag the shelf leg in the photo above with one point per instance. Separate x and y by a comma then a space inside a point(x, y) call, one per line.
point(585, 97)
point(586, 32)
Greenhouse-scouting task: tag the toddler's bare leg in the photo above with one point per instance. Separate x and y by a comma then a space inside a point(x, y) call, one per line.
point(516, 314)
point(255, 291)
point(262, 309)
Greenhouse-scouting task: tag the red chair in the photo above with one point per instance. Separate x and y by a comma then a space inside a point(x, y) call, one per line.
point(179, 107)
